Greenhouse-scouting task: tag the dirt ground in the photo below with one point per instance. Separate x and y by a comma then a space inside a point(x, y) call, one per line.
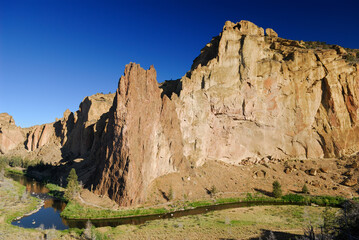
point(333, 177)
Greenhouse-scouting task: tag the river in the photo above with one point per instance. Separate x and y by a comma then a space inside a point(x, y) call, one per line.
point(48, 216)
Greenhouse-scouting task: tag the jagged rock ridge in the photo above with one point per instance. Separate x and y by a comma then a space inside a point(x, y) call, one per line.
point(250, 95)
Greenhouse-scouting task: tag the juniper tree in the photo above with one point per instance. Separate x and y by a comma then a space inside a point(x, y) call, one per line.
point(277, 189)
point(73, 186)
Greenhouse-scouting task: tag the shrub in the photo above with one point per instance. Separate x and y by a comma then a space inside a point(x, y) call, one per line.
point(294, 198)
point(213, 191)
point(350, 57)
point(170, 194)
point(305, 189)
point(277, 189)
point(357, 54)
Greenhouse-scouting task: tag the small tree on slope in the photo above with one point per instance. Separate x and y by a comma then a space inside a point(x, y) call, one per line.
point(73, 186)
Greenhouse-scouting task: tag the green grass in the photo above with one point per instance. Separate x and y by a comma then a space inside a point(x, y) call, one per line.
point(56, 191)
point(74, 210)
point(15, 171)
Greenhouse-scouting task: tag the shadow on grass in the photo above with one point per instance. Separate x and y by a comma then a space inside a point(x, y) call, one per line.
point(267, 234)
point(269, 194)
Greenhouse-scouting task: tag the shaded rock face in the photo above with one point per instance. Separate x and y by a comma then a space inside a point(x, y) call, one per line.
point(141, 141)
point(82, 128)
point(74, 135)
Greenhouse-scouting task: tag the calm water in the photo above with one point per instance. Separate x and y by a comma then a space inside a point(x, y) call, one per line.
point(49, 215)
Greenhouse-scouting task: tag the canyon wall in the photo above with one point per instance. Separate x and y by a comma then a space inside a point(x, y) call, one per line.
point(249, 96)
point(67, 138)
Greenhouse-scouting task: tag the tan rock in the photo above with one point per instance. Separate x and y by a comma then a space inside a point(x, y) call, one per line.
point(340, 50)
point(271, 33)
point(351, 181)
point(142, 139)
point(10, 135)
point(312, 172)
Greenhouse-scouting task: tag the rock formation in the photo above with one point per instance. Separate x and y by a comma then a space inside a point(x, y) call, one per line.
point(67, 138)
point(10, 135)
point(250, 95)
point(142, 139)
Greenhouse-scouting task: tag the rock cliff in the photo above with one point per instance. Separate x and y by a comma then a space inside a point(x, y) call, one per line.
point(142, 140)
point(10, 135)
point(249, 96)
point(67, 138)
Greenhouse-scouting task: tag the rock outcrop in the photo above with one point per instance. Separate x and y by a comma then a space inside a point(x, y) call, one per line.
point(10, 135)
point(72, 136)
point(142, 139)
point(250, 96)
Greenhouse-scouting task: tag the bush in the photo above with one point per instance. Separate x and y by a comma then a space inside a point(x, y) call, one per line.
point(277, 189)
point(349, 57)
point(213, 191)
point(294, 198)
point(305, 189)
point(357, 54)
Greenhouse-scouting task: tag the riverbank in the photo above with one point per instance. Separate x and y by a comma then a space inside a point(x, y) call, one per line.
point(14, 203)
point(77, 210)
point(286, 222)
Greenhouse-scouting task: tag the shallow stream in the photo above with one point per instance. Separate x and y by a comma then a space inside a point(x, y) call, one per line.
point(48, 216)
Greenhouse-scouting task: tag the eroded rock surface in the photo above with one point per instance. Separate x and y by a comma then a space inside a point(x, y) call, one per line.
point(10, 135)
point(142, 140)
point(249, 97)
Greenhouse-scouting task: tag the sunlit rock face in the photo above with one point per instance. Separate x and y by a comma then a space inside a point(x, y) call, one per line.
point(251, 95)
point(10, 135)
point(248, 96)
point(142, 140)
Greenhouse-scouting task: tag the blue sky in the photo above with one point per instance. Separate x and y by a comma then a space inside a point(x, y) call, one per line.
point(53, 53)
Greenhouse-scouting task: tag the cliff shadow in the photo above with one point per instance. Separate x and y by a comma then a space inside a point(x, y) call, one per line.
point(171, 86)
point(267, 193)
point(268, 234)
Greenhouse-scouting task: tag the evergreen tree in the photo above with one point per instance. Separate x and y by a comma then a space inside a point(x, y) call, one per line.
point(277, 189)
point(73, 186)
point(305, 189)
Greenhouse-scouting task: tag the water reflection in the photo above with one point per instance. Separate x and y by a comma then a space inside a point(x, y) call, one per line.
point(49, 214)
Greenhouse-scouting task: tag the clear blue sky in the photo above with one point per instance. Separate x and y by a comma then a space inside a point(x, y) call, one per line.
point(53, 53)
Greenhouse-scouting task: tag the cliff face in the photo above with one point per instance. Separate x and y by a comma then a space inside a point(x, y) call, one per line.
point(72, 136)
point(10, 135)
point(249, 96)
point(142, 139)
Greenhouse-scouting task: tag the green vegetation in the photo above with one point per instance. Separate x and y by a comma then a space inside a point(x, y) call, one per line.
point(317, 45)
point(305, 189)
point(73, 187)
point(15, 171)
point(238, 223)
point(17, 161)
point(74, 210)
point(56, 191)
point(213, 191)
point(277, 189)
